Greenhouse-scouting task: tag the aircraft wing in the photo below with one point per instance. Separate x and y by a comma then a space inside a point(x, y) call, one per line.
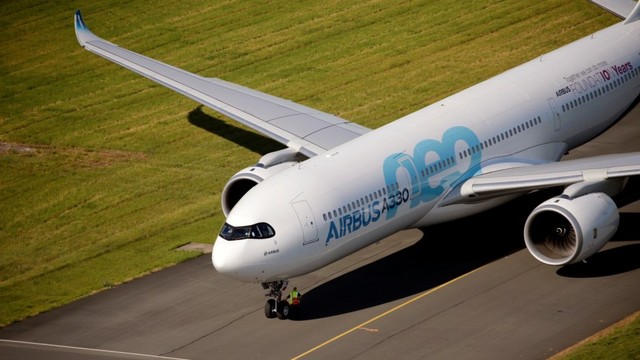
point(532, 177)
point(301, 128)
point(620, 8)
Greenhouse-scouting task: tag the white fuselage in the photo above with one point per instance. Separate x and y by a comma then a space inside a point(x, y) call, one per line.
point(395, 177)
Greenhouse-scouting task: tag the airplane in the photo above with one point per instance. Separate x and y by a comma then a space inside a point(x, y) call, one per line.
point(337, 187)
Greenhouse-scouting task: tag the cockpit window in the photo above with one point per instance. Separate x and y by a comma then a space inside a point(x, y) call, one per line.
point(255, 231)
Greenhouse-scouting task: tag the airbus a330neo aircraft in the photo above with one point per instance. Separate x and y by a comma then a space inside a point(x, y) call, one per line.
point(338, 186)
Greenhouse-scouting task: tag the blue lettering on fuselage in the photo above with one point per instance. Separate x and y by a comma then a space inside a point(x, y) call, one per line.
point(352, 222)
point(365, 216)
point(423, 188)
point(420, 189)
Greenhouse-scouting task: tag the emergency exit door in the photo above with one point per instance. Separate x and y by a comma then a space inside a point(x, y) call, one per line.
point(307, 221)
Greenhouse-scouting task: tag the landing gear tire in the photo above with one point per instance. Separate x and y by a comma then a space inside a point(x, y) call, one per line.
point(270, 309)
point(276, 306)
point(283, 310)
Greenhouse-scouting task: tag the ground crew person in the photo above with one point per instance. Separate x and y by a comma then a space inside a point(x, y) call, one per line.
point(294, 297)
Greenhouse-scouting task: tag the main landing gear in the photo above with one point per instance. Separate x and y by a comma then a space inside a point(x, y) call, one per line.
point(276, 306)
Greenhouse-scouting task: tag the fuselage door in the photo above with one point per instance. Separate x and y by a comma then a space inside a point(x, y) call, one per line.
point(307, 221)
point(556, 115)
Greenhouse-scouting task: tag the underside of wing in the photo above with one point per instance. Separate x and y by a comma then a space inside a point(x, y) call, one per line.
point(533, 177)
point(299, 127)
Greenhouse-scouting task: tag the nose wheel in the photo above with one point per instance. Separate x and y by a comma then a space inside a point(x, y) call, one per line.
point(276, 307)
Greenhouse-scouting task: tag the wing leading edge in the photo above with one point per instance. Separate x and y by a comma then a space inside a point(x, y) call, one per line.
point(300, 128)
point(532, 177)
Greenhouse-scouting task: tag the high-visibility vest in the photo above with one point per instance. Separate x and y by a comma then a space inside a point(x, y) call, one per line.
point(294, 298)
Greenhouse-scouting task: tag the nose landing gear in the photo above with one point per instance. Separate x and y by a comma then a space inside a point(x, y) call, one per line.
point(276, 307)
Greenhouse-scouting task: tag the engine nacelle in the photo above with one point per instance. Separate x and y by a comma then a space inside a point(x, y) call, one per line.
point(269, 165)
point(244, 180)
point(564, 231)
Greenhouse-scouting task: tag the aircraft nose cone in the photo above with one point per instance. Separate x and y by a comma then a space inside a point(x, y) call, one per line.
point(226, 257)
point(218, 260)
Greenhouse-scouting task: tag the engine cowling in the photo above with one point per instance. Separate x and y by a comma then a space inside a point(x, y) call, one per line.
point(565, 230)
point(245, 179)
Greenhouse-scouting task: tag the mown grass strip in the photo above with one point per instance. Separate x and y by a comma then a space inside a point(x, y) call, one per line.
point(620, 341)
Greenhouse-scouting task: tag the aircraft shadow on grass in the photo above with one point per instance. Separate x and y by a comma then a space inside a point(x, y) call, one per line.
point(450, 250)
point(248, 139)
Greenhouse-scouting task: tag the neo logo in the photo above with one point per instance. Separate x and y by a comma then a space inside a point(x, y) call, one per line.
point(432, 165)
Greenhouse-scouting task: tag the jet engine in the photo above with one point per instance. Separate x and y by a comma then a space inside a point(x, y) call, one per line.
point(269, 165)
point(565, 230)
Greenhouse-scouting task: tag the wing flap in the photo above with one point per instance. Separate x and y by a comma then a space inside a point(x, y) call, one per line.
point(287, 122)
point(332, 138)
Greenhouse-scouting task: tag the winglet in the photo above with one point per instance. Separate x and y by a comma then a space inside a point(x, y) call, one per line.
point(83, 34)
point(635, 14)
point(79, 21)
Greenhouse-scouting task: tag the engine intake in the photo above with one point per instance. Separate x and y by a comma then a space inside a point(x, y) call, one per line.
point(244, 180)
point(564, 231)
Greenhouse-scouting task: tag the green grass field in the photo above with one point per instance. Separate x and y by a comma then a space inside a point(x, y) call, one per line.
point(103, 174)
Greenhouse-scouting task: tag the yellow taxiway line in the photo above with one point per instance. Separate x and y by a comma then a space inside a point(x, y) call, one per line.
point(410, 301)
